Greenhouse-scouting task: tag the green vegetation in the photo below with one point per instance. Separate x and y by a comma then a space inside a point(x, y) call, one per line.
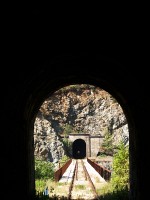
point(44, 170)
point(67, 129)
point(118, 187)
point(80, 187)
point(116, 195)
point(44, 177)
point(67, 144)
point(40, 185)
point(63, 160)
point(120, 174)
point(107, 147)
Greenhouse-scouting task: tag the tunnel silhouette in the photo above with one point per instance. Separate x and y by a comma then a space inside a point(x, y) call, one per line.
point(79, 149)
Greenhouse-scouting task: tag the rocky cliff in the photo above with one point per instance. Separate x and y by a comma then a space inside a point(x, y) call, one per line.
point(76, 109)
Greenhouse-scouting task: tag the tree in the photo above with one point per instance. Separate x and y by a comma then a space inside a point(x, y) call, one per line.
point(120, 173)
point(67, 144)
point(67, 129)
point(107, 145)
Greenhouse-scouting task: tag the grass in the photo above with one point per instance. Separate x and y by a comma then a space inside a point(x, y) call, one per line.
point(106, 193)
point(80, 187)
point(40, 185)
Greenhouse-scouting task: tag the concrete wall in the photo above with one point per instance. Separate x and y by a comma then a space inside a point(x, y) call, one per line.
point(93, 143)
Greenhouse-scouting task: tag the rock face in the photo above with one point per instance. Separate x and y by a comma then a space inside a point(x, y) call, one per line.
point(75, 109)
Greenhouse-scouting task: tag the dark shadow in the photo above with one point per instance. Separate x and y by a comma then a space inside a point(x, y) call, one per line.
point(116, 195)
point(79, 149)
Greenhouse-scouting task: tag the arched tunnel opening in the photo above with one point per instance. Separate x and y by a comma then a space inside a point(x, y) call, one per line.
point(79, 149)
point(53, 72)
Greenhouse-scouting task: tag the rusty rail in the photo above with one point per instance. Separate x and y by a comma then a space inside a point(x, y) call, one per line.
point(84, 170)
point(73, 178)
point(87, 177)
point(105, 173)
point(90, 180)
point(76, 170)
point(59, 173)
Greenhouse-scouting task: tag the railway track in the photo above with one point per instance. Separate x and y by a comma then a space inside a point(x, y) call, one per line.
point(82, 186)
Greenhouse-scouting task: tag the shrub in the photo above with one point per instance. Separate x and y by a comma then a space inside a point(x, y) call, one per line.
point(120, 173)
point(44, 170)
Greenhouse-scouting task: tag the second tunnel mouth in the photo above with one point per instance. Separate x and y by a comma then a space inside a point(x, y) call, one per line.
point(79, 149)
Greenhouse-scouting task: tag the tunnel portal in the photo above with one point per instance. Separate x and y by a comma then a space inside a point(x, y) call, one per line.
point(79, 149)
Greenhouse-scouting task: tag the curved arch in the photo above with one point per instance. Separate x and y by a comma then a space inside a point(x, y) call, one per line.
point(79, 149)
point(47, 82)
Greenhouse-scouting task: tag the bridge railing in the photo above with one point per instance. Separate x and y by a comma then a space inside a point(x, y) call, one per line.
point(59, 173)
point(105, 173)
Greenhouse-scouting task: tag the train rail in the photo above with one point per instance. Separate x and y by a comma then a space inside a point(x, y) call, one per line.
point(82, 186)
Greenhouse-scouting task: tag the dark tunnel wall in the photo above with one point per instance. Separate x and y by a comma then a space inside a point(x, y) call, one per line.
point(79, 149)
point(39, 75)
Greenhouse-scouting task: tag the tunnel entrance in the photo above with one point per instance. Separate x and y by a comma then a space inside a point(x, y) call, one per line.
point(79, 149)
